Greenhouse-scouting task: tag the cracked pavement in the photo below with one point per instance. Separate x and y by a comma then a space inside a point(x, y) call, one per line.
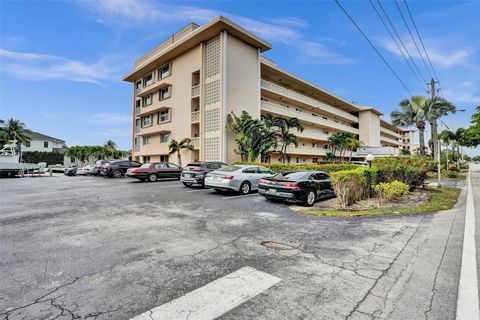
point(96, 248)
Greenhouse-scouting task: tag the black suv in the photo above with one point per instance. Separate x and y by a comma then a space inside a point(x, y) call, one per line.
point(194, 173)
point(116, 169)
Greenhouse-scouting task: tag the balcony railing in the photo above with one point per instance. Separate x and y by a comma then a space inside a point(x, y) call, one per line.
point(267, 85)
point(389, 140)
point(276, 108)
point(195, 142)
point(195, 91)
point(195, 116)
point(390, 132)
point(312, 134)
point(137, 111)
point(307, 150)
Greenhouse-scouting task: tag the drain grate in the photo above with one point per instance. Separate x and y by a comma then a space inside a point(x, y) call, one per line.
point(273, 245)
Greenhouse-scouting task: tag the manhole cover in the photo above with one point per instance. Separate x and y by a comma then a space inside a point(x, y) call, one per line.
point(273, 245)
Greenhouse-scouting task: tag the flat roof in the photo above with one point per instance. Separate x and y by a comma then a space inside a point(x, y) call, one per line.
point(189, 41)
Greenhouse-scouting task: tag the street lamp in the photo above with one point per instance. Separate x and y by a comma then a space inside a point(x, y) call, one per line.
point(370, 157)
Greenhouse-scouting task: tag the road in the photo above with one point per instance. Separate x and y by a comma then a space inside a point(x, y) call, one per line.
point(95, 248)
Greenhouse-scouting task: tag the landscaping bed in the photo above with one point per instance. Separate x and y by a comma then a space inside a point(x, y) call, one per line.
point(418, 201)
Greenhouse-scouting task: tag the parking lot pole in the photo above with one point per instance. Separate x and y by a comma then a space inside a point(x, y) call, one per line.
point(50, 167)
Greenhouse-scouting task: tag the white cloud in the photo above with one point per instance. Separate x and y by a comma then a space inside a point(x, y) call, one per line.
point(108, 118)
point(35, 66)
point(138, 13)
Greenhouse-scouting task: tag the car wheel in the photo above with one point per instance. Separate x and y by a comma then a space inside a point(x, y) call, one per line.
point(187, 184)
point(245, 188)
point(310, 198)
point(116, 174)
point(152, 177)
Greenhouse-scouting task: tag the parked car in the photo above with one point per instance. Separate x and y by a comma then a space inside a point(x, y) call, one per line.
point(153, 171)
point(241, 178)
point(98, 166)
point(297, 186)
point(194, 173)
point(70, 171)
point(118, 168)
point(86, 170)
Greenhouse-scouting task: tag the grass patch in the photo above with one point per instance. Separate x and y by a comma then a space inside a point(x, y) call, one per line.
point(441, 199)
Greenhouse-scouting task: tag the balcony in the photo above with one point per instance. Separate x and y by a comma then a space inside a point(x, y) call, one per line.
point(196, 117)
point(312, 134)
point(284, 111)
point(195, 91)
point(272, 87)
point(390, 132)
point(196, 143)
point(311, 151)
point(156, 85)
point(389, 140)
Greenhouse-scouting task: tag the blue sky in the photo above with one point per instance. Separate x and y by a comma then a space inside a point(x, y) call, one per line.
point(61, 62)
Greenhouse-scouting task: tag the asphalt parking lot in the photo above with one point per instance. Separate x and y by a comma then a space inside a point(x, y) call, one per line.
point(99, 248)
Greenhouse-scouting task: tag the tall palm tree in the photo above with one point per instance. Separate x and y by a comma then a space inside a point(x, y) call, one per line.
point(446, 136)
point(282, 126)
point(110, 144)
point(412, 113)
point(338, 141)
point(352, 143)
point(434, 109)
point(15, 130)
point(177, 147)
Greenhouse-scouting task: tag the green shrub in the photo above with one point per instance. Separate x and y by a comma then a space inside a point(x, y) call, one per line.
point(392, 190)
point(42, 156)
point(351, 186)
point(452, 174)
point(412, 171)
point(280, 167)
point(453, 167)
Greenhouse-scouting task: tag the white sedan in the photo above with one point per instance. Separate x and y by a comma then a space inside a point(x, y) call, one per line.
point(241, 178)
point(83, 171)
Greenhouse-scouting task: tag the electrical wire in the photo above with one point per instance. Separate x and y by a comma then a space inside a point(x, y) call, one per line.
point(373, 46)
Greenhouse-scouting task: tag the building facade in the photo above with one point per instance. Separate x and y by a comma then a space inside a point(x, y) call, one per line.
point(42, 142)
point(188, 85)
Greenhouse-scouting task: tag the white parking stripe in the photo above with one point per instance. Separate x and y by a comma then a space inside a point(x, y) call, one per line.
point(241, 196)
point(214, 299)
point(467, 303)
point(198, 190)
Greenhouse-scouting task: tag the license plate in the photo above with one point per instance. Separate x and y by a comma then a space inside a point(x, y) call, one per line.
point(272, 190)
point(187, 175)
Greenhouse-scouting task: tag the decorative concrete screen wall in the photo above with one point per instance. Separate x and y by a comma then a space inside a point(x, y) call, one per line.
point(213, 124)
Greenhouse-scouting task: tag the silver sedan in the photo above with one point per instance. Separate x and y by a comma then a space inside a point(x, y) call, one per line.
point(241, 178)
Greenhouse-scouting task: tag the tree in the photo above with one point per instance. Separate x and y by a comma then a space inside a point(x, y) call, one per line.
point(14, 130)
point(472, 134)
point(338, 141)
point(434, 109)
point(352, 143)
point(110, 144)
point(405, 152)
point(447, 137)
point(412, 113)
point(285, 137)
point(177, 147)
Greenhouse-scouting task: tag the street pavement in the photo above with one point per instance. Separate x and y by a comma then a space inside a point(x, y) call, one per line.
point(97, 248)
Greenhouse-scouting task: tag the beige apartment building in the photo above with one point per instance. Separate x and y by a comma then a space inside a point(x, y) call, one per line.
point(187, 86)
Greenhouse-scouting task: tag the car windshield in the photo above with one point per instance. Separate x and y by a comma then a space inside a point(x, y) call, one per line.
point(293, 176)
point(146, 165)
point(229, 168)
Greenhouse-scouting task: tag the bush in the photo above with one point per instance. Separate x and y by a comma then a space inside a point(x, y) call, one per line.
point(411, 171)
point(351, 186)
point(42, 156)
point(453, 167)
point(280, 167)
point(392, 190)
point(452, 174)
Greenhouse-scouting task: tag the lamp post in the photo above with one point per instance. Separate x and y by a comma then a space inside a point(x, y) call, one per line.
point(370, 157)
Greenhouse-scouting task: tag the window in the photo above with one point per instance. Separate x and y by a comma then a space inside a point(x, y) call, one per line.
point(137, 125)
point(137, 141)
point(250, 170)
point(45, 144)
point(315, 160)
point(263, 170)
point(138, 104)
point(148, 80)
point(325, 132)
point(147, 100)
point(164, 137)
point(164, 93)
point(146, 140)
point(164, 116)
point(164, 157)
point(164, 71)
point(173, 166)
point(161, 166)
point(147, 121)
point(28, 144)
point(146, 159)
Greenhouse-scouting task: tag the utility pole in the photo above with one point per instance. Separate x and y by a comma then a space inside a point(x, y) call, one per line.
point(436, 153)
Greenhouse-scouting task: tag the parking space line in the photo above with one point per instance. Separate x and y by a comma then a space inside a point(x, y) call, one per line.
point(215, 298)
point(198, 190)
point(241, 196)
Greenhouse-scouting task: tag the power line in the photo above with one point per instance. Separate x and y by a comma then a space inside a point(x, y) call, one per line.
point(373, 46)
point(423, 45)
point(396, 43)
point(401, 41)
point(413, 39)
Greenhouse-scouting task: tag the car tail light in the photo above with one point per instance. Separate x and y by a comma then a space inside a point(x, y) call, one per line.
point(290, 185)
point(264, 181)
point(198, 170)
point(228, 177)
point(135, 170)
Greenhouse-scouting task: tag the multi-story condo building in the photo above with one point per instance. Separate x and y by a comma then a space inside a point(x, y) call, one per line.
point(190, 83)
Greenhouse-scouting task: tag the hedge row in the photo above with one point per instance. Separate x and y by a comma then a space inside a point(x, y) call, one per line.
point(42, 156)
point(351, 186)
point(280, 167)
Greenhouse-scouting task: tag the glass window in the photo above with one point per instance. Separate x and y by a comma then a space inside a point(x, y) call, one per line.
point(160, 166)
point(230, 168)
point(164, 157)
point(164, 116)
point(250, 170)
point(164, 71)
point(148, 80)
point(147, 100)
point(147, 121)
point(138, 84)
point(28, 144)
point(146, 140)
point(45, 144)
point(164, 93)
point(264, 170)
point(146, 159)
point(146, 165)
point(164, 137)
point(291, 176)
point(173, 166)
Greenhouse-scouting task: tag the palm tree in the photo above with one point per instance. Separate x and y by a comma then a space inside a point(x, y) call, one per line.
point(177, 147)
point(352, 143)
point(282, 126)
point(15, 130)
point(434, 109)
point(412, 112)
point(110, 144)
point(338, 141)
